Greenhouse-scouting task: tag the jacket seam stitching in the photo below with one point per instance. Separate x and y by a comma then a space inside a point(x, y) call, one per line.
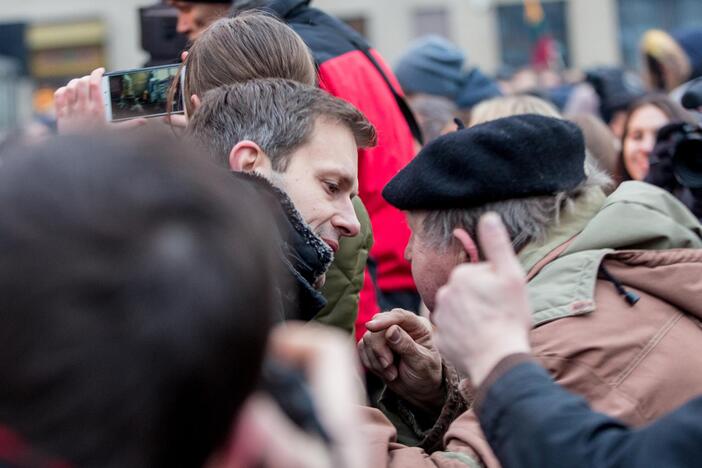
point(650, 346)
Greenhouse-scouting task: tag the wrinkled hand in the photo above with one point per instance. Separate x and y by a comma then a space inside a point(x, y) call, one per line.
point(80, 107)
point(399, 349)
point(483, 313)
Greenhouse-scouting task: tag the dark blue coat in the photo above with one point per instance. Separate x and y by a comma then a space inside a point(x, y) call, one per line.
point(530, 421)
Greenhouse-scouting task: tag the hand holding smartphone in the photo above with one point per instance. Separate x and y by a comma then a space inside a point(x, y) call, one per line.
point(85, 104)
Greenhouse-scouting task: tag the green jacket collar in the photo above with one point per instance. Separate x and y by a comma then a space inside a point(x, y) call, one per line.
point(571, 224)
point(637, 216)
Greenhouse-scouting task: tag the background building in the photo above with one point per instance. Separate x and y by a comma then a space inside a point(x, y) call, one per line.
point(493, 32)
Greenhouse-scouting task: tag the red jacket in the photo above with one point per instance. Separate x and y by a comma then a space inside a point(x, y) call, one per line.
point(346, 72)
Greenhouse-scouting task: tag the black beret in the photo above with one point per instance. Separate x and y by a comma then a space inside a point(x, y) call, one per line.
point(514, 157)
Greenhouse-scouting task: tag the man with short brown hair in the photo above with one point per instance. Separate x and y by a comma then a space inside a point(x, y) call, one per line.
point(300, 145)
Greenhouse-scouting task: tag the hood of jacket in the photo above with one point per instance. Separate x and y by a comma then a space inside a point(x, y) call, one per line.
point(283, 8)
point(305, 256)
point(636, 217)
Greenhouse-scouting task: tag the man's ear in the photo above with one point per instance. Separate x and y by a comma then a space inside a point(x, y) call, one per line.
point(246, 156)
point(195, 101)
point(470, 248)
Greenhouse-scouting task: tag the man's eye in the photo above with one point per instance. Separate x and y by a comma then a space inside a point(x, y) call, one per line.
point(332, 187)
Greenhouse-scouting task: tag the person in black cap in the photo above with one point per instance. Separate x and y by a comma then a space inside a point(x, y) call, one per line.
point(607, 276)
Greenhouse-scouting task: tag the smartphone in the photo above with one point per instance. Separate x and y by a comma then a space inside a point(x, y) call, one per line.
point(141, 92)
point(289, 389)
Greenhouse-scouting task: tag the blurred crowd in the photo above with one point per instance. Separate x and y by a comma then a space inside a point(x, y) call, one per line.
point(328, 261)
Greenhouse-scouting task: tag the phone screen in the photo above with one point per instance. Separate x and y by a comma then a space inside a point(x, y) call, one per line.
point(143, 92)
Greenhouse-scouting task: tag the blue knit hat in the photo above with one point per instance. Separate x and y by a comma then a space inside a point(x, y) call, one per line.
point(476, 87)
point(690, 39)
point(431, 65)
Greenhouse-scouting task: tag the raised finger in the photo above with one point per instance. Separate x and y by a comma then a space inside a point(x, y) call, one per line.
point(83, 93)
point(70, 93)
point(60, 100)
point(496, 245)
point(95, 88)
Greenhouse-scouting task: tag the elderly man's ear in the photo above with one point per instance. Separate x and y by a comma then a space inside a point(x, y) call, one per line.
point(247, 156)
point(469, 253)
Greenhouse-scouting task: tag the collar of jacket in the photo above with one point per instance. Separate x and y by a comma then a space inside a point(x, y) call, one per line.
point(283, 8)
point(304, 254)
point(637, 216)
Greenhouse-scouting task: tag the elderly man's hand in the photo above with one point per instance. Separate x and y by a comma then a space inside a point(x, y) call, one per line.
point(483, 314)
point(399, 349)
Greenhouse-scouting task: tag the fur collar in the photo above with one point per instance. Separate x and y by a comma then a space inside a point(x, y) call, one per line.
point(306, 255)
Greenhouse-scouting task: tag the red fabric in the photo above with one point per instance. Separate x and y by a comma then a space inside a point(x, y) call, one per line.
point(16, 453)
point(353, 77)
point(367, 306)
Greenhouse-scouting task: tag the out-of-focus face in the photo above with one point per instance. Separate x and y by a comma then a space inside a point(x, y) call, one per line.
point(321, 178)
point(431, 266)
point(641, 138)
point(194, 17)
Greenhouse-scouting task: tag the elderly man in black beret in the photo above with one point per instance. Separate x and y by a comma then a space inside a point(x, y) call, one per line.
point(615, 283)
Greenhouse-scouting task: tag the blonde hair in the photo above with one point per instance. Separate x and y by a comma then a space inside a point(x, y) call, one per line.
point(507, 106)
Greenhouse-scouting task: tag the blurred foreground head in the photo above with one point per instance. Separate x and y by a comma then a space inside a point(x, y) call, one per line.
point(136, 295)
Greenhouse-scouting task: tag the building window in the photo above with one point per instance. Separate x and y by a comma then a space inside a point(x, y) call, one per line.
point(431, 21)
point(638, 16)
point(357, 23)
point(518, 38)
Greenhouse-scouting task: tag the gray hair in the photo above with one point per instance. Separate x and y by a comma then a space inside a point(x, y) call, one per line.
point(527, 220)
point(278, 115)
point(434, 113)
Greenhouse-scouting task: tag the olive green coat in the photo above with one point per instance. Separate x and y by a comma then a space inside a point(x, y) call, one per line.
point(345, 276)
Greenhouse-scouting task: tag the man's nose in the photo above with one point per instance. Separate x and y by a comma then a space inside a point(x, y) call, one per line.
point(346, 222)
point(183, 25)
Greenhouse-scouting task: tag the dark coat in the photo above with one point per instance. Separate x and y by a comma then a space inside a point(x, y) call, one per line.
point(530, 421)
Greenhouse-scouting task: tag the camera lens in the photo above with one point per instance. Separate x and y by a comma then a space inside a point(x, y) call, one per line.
point(687, 162)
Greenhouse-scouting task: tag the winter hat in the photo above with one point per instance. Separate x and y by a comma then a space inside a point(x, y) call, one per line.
point(616, 88)
point(515, 157)
point(690, 39)
point(476, 87)
point(431, 65)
